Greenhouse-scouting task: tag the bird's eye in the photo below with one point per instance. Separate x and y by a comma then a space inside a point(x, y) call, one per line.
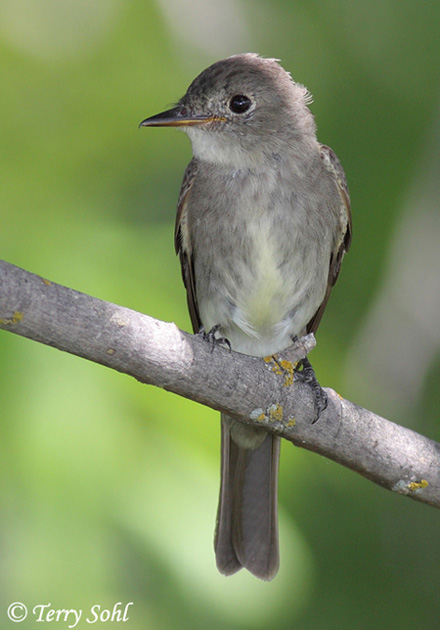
point(239, 103)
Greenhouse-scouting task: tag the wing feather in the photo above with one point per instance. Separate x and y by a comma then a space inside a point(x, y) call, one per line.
point(183, 246)
point(342, 244)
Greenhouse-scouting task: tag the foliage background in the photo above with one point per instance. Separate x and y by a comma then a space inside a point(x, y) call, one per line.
point(108, 489)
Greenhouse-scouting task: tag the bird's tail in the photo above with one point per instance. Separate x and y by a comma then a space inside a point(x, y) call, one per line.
point(247, 522)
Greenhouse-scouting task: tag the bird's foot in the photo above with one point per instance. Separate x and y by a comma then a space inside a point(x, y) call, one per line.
point(212, 339)
point(305, 373)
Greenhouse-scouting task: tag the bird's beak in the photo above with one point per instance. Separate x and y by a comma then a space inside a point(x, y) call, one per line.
point(177, 117)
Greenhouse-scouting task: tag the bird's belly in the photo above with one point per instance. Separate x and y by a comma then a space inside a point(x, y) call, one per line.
point(261, 301)
point(266, 297)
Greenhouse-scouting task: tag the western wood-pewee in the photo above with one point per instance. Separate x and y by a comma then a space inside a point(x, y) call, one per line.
point(263, 222)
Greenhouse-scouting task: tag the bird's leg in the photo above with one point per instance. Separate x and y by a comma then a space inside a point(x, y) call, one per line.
point(212, 339)
point(305, 373)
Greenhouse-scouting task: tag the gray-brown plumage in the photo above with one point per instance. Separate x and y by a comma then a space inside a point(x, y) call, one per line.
point(263, 222)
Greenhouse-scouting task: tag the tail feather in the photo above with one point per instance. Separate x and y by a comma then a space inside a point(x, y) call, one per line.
point(247, 523)
point(227, 561)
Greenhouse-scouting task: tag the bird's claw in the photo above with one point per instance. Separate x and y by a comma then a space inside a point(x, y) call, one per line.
point(305, 373)
point(212, 339)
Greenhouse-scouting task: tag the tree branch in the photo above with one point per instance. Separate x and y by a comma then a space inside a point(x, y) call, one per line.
point(254, 390)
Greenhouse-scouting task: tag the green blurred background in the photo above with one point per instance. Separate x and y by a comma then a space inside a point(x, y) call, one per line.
point(108, 488)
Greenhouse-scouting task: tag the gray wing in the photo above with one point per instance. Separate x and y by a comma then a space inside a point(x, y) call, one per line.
point(182, 243)
point(343, 240)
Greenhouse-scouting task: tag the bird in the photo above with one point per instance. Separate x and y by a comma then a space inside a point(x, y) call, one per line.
point(263, 223)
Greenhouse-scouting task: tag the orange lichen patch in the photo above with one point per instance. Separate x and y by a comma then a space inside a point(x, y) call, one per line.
point(275, 413)
point(258, 414)
point(282, 367)
point(15, 319)
point(418, 485)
